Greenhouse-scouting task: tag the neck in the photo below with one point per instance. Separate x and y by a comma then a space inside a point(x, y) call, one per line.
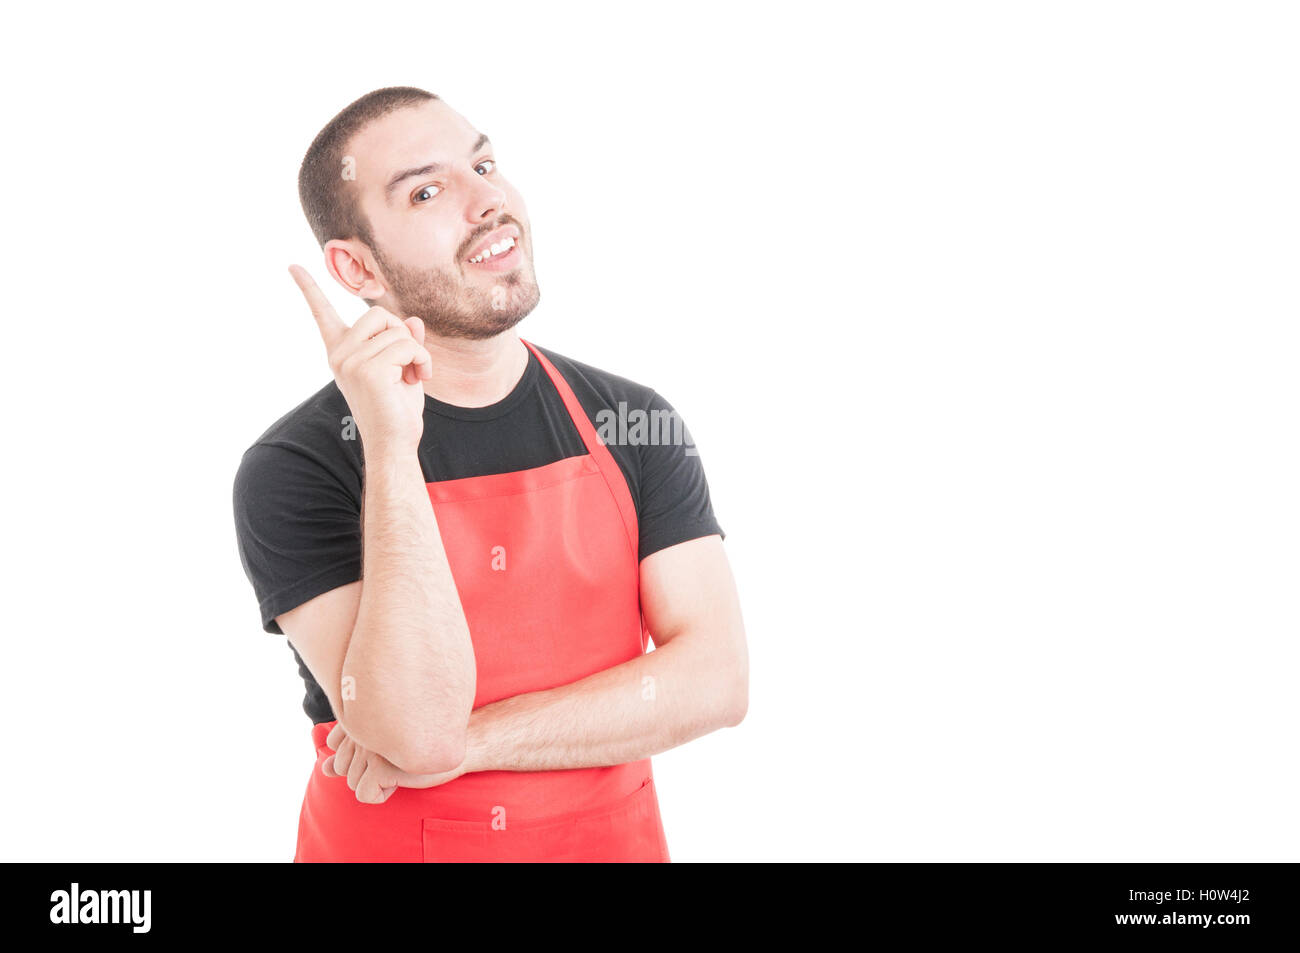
point(475, 373)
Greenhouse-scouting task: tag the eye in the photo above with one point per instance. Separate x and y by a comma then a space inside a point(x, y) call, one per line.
point(430, 190)
point(488, 162)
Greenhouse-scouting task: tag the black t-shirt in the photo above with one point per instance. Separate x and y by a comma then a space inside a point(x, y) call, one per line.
point(297, 494)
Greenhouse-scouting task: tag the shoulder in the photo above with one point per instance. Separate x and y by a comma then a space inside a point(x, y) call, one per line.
point(597, 388)
point(629, 416)
point(314, 439)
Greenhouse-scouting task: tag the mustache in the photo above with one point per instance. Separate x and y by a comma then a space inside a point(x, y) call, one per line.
point(506, 219)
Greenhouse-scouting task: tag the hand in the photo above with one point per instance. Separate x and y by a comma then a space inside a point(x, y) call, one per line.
point(379, 364)
point(372, 776)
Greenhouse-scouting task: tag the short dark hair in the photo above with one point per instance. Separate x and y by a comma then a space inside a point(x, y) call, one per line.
point(330, 205)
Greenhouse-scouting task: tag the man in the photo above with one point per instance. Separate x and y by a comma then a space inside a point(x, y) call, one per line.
point(466, 549)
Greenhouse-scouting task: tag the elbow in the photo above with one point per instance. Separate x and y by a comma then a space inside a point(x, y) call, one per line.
point(735, 712)
point(729, 684)
point(415, 752)
point(430, 753)
point(736, 704)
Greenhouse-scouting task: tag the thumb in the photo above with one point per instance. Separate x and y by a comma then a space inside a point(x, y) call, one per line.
point(411, 374)
point(417, 329)
point(414, 373)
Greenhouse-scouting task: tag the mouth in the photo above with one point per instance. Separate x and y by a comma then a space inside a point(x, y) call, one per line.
point(498, 251)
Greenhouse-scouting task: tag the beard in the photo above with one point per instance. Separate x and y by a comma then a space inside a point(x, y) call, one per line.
point(453, 308)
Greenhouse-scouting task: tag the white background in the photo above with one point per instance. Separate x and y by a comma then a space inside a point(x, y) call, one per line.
point(983, 317)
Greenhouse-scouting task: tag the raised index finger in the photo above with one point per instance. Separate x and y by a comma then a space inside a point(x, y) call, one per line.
point(327, 319)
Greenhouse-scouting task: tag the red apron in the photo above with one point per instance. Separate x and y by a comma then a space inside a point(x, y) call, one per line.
point(546, 564)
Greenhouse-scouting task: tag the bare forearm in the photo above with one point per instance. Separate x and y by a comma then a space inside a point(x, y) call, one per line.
point(631, 711)
point(410, 661)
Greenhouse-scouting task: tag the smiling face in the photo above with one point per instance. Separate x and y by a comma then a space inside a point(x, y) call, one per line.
point(451, 242)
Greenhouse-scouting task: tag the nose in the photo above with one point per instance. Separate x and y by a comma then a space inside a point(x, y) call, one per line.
point(486, 201)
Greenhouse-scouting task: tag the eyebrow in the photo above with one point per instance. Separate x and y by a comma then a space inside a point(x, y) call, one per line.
point(426, 169)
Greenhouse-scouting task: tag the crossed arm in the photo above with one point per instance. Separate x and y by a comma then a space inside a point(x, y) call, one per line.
point(694, 682)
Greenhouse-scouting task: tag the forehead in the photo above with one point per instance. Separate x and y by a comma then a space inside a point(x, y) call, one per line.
point(408, 138)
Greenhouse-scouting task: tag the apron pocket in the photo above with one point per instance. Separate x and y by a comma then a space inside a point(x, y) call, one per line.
point(627, 831)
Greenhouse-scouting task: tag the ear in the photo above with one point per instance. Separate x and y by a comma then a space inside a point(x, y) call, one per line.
point(346, 261)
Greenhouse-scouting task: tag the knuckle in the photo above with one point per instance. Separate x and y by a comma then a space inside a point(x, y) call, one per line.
point(378, 317)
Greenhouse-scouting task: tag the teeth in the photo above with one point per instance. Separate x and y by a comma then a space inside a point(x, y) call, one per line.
point(495, 248)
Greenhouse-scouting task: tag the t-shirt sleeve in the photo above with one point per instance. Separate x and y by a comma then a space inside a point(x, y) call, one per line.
point(674, 504)
point(298, 527)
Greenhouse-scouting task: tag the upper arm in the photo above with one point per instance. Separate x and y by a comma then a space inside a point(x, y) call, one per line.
point(687, 588)
point(319, 631)
point(688, 591)
point(673, 502)
point(297, 525)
